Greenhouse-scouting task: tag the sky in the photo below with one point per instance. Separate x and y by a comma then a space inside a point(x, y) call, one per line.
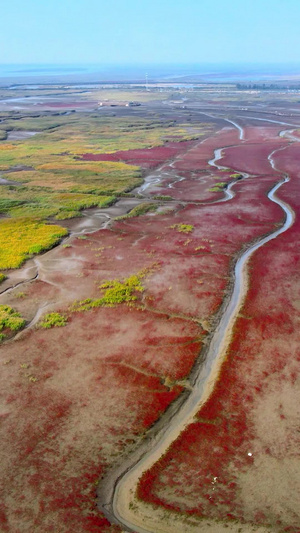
point(150, 31)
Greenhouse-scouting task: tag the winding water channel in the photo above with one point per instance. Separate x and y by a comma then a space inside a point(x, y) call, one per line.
point(116, 493)
point(229, 194)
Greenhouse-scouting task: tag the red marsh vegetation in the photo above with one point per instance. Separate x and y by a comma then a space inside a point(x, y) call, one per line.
point(239, 460)
point(267, 133)
point(252, 158)
point(147, 157)
point(78, 398)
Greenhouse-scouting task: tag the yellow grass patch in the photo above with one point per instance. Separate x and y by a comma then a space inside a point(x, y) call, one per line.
point(7, 147)
point(21, 238)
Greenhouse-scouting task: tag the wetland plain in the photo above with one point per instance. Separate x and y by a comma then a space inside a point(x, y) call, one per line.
point(149, 308)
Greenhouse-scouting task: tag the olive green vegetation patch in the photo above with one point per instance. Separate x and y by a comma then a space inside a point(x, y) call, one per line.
point(115, 292)
point(54, 180)
point(53, 320)
point(51, 162)
point(10, 321)
point(218, 187)
point(141, 209)
point(3, 135)
point(8, 203)
point(183, 228)
point(40, 204)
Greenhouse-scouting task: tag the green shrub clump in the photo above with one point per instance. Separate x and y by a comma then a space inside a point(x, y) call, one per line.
point(10, 320)
point(121, 291)
point(183, 228)
point(163, 197)
point(218, 187)
point(53, 320)
point(115, 292)
point(141, 209)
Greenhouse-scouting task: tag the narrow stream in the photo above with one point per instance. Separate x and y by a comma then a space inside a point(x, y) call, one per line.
point(273, 121)
point(241, 130)
point(229, 194)
point(235, 124)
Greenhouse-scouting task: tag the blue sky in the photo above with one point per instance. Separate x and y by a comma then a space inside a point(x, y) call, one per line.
point(150, 31)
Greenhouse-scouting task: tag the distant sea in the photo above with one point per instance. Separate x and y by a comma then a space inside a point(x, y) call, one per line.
point(46, 73)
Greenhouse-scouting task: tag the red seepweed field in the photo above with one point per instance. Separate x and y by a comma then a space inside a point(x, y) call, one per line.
point(145, 158)
point(239, 459)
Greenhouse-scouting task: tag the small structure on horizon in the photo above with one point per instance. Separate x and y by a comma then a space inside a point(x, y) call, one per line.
point(133, 104)
point(115, 103)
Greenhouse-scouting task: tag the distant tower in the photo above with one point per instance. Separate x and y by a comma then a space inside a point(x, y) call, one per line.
point(147, 87)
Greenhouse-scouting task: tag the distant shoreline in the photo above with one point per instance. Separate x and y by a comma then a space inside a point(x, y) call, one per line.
point(79, 73)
